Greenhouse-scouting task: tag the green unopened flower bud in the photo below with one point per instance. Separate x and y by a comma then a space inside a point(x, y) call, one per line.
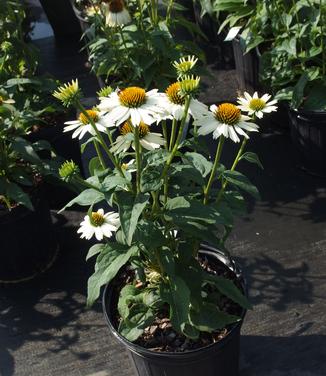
point(105, 91)
point(189, 85)
point(68, 93)
point(185, 65)
point(68, 170)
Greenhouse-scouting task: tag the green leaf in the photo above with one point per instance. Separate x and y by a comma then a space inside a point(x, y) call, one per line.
point(25, 149)
point(252, 158)
point(167, 262)
point(177, 294)
point(107, 266)
point(150, 235)
point(228, 288)
point(114, 183)
point(210, 318)
point(127, 295)
point(241, 181)
point(130, 209)
point(200, 163)
point(187, 174)
point(150, 179)
point(139, 318)
point(94, 250)
point(316, 99)
point(298, 91)
point(95, 166)
point(87, 197)
point(15, 193)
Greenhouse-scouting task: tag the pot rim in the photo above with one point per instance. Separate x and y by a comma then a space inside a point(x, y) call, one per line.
point(299, 111)
point(142, 351)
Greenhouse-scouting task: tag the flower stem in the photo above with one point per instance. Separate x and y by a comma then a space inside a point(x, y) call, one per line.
point(99, 153)
point(214, 169)
point(138, 158)
point(173, 133)
point(175, 147)
point(99, 136)
point(236, 161)
point(165, 134)
point(168, 12)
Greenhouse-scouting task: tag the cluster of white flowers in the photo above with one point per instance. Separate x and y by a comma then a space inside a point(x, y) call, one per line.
point(134, 108)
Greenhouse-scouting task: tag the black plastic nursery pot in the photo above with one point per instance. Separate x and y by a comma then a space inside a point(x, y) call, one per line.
point(308, 131)
point(84, 24)
point(61, 17)
point(28, 245)
point(218, 359)
point(247, 67)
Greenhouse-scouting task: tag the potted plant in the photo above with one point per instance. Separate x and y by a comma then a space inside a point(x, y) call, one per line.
point(121, 34)
point(175, 303)
point(247, 27)
point(294, 67)
point(23, 207)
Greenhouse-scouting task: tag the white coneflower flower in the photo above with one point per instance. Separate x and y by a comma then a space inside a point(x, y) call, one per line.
point(185, 65)
point(132, 103)
point(148, 140)
point(116, 13)
point(255, 105)
point(6, 101)
point(99, 224)
point(175, 104)
point(92, 10)
point(81, 126)
point(225, 119)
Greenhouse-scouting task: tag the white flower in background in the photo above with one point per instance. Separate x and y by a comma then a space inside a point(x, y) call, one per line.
point(129, 166)
point(148, 140)
point(254, 105)
point(6, 101)
point(99, 224)
point(116, 13)
point(175, 104)
point(132, 103)
point(92, 10)
point(81, 126)
point(185, 65)
point(225, 119)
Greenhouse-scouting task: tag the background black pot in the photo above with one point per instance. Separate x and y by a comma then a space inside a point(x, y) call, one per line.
point(218, 359)
point(28, 244)
point(58, 192)
point(84, 24)
point(62, 18)
point(308, 131)
point(247, 67)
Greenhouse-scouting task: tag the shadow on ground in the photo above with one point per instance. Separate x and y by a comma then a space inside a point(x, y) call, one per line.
point(47, 308)
point(298, 355)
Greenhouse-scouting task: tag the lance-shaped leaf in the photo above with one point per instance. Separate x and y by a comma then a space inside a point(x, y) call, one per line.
point(177, 294)
point(130, 209)
point(107, 266)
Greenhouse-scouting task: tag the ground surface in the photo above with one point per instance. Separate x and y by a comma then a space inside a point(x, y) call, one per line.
point(45, 329)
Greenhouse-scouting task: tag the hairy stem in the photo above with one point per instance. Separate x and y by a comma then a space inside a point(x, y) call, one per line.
point(214, 168)
point(138, 158)
point(236, 161)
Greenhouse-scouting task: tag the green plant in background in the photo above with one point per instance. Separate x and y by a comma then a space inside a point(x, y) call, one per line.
point(166, 199)
point(17, 58)
point(135, 42)
point(294, 65)
point(21, 167)
point(290, 37)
